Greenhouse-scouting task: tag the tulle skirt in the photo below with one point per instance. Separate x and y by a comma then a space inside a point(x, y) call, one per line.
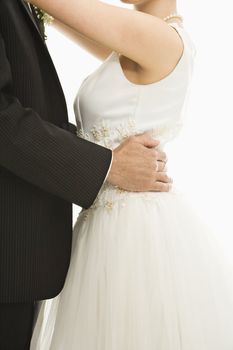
point(145, 274)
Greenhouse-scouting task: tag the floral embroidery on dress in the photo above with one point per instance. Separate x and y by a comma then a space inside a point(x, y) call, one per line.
point(111, 136)
point(111, 196)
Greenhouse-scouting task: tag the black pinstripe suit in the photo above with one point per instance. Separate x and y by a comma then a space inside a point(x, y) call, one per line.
point(44, 166)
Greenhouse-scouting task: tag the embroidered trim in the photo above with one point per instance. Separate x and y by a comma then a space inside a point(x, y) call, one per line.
point(111, 136)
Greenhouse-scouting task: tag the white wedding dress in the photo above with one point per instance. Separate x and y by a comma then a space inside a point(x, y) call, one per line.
point(145, 273)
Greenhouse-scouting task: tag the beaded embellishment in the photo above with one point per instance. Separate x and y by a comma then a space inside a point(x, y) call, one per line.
point(110, 137)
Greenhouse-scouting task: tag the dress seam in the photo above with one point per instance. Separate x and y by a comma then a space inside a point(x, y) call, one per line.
point(139, 92)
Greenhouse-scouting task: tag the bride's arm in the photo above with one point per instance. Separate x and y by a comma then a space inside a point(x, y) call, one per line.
point(145, 39)
point(89, 45)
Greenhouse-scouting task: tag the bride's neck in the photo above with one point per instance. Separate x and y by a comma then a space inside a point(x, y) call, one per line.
point(158, 8)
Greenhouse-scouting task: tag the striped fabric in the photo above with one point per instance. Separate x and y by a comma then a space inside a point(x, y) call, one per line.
point(44, 166)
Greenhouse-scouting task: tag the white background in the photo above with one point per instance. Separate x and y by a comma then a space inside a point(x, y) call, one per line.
point(201, 160)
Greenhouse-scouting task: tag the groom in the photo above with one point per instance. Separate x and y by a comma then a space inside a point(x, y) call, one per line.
point(44, 168)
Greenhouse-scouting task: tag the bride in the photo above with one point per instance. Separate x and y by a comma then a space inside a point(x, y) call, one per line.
point(145, 273)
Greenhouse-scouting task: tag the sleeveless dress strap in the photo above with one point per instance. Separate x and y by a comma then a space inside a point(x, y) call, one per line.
point(188, 43)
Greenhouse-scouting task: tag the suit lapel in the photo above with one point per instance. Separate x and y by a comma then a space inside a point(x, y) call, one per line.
point(31, 17)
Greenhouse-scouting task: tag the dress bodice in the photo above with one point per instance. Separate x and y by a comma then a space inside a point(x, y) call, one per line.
point(109, 107)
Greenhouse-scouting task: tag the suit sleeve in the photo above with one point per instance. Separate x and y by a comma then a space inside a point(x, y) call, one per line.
point(45, 155)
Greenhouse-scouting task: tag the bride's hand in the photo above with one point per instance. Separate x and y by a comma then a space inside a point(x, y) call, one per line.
point(138, 166)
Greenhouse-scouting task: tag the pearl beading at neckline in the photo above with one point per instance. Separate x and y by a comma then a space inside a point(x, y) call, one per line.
point(173, 15)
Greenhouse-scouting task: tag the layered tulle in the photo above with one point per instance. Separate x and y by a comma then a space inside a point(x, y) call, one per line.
point(145, 274)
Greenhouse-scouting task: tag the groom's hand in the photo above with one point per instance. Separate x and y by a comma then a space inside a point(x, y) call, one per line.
point(138, 166)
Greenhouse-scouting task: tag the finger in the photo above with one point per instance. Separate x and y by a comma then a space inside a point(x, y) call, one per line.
point(146, 140)
point(163, 177)
point(161, 166)
point(161, 156)
point(161, 187)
